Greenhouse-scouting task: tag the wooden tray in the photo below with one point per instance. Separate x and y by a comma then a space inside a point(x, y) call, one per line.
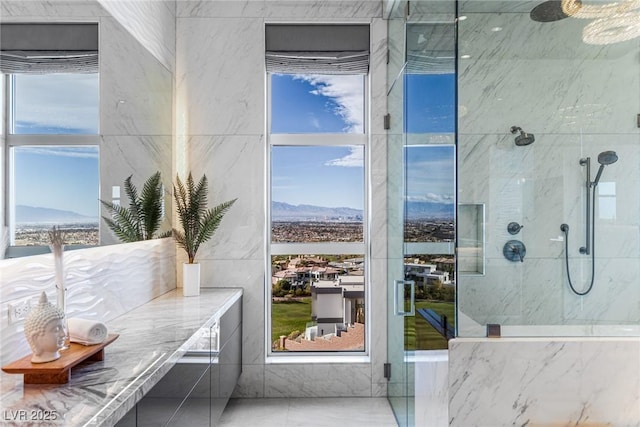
point(58, 371)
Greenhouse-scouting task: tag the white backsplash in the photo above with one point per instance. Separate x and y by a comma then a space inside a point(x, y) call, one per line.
point(102, 283)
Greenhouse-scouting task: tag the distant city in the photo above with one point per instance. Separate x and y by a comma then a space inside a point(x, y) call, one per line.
point(74, 234)
point(34, 223)
point(425, 222)
point(301, 223)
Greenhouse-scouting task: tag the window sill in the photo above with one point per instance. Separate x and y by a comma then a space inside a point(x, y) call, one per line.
point(316, 358)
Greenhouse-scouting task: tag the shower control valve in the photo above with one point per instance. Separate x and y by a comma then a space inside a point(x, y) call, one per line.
point(514, 250)
point(514, 228)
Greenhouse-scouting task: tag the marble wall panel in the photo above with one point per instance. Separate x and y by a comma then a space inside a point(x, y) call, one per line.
point(539, 382)
point(572, 80)
point(234, 166)
point(248, 274)
point(431, 388)
point(377, 344)
point(378, 194)
point(151, 23)
point(222, 96)
point(136, 96)
point(318, 380)
point(220, 8)
point(52, 9)
point(306, 10)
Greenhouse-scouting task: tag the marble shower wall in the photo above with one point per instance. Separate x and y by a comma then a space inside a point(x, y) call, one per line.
point(536, 382)
point(220, 121)
point(578, 100)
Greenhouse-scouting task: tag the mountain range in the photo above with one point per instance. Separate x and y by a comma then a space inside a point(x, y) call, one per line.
point(31, 214)
point(281, 211)
point(430, 210)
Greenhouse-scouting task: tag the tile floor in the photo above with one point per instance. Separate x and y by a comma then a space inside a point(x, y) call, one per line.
point(308, 412)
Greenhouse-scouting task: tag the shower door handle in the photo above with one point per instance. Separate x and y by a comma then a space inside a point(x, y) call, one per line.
point(399, 287)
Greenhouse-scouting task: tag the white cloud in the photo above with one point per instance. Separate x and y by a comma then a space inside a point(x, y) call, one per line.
point(355, 159)
point(347, 92)
point(77, 152)
point(315, 123)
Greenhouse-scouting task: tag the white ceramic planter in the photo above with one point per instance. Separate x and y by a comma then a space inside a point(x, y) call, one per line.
point(190, 280)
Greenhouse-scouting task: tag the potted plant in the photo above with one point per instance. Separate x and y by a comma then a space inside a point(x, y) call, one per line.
point(142, 219)
point(198, 225)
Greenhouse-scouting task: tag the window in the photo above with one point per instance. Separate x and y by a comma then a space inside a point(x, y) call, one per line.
point(53, 158)
point(429, 156)
point(52, 144)
point(317, 234)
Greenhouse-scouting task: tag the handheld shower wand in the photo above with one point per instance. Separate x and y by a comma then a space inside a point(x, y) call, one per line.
point(605, 158)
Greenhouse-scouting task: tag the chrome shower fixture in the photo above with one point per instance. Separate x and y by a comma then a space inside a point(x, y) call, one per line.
point(524, 138)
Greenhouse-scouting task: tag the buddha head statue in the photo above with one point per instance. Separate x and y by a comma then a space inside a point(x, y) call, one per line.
point(45, 331)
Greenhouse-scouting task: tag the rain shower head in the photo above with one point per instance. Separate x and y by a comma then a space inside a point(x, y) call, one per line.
point(605, 158)
point(524, 138)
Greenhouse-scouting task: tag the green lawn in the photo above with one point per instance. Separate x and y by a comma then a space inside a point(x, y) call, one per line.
point(289, 316)
point(419, 335)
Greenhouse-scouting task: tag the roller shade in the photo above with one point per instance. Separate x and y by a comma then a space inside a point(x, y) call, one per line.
point(48, 48)
point(317, 49)
point(430, 48)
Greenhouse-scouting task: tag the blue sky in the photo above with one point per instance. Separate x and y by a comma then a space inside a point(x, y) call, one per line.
point(429, 103)
point(60, 178)
point(65, 178)
point(317, 104)
point(320, 176)
point(430, 173)
point(327, 176)
point(334, 176)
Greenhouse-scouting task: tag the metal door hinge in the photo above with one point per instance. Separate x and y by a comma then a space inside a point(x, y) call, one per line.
point(638, 119)
point(387, 371)
point(387, 121)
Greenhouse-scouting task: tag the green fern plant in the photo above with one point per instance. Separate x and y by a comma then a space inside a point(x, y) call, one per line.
point(198, 223)
point(142, 219)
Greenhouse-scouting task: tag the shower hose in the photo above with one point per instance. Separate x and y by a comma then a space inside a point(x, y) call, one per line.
point(565, 229)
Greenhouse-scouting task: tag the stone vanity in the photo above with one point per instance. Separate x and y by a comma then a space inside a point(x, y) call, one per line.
point(154, 340)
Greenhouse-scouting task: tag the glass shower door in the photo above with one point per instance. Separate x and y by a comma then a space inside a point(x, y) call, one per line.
point(399, 374)
point(421, 193)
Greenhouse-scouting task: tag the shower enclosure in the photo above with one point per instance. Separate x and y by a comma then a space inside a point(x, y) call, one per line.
point(421, 156)
point(573, 80)
point(571, 77)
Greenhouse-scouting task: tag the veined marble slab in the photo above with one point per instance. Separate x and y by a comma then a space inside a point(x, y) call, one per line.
point(153, 337)
point(544, 381)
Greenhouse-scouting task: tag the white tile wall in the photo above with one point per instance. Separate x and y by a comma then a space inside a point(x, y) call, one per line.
point(544, 382)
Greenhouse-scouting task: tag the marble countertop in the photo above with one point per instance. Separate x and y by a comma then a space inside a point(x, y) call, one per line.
point(153, 337)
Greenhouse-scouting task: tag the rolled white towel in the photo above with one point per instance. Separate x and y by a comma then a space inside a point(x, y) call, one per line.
point(86, 332)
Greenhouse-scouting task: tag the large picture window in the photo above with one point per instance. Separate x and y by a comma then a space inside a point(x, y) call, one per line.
point(317, 234)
